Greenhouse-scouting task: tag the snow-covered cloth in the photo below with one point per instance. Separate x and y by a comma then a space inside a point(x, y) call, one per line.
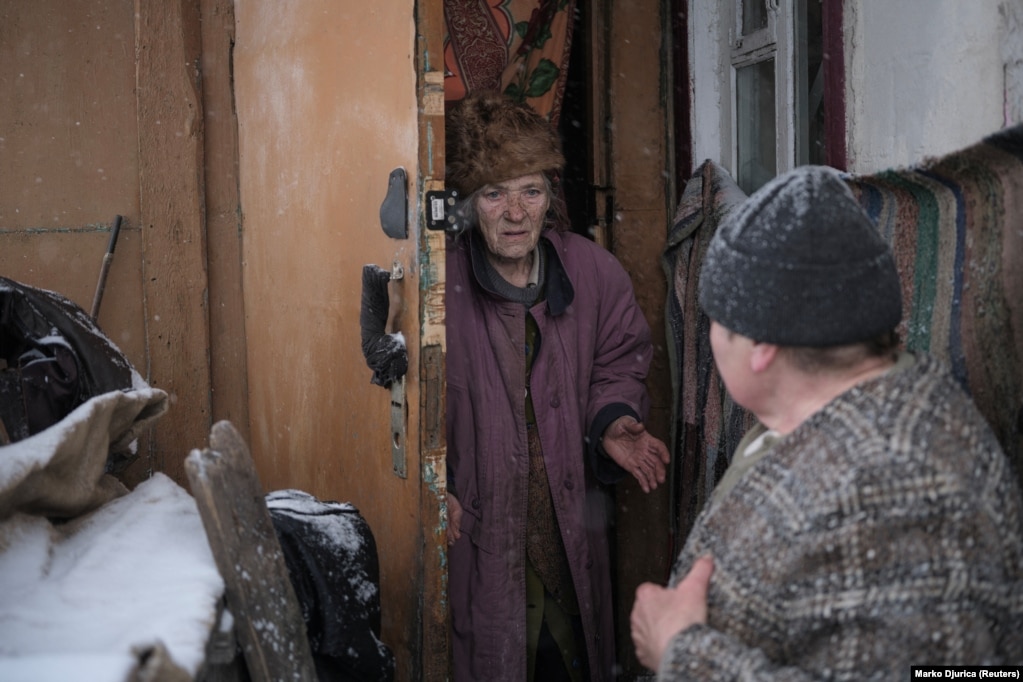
point(885, 531)
point(593, 357)
point(90, 599)
point(96, 583)
point(62, 470)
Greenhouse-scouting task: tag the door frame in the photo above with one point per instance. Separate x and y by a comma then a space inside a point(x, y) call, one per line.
point(436, 621)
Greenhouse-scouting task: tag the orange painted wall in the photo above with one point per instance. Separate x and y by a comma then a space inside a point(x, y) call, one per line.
point(69, 156)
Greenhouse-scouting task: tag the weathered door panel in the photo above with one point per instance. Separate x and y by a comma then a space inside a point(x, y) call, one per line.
point(101, 116)
point(432, 407)
point(329, 104)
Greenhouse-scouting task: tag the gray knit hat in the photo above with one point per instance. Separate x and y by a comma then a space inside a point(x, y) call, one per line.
point(799, 263)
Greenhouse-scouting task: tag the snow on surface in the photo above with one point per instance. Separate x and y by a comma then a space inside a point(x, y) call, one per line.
point(76, 598)
point(338, 526)
point(341, 532)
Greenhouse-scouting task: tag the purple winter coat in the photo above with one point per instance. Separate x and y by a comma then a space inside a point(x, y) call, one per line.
point(593, 358)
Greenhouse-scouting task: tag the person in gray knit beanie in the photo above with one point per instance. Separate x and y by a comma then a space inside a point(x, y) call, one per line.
point(801, 264)
point(869, 524)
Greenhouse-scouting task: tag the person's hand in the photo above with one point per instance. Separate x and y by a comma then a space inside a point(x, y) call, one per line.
point(660, 613)
point(454, 519)
point(629, 444)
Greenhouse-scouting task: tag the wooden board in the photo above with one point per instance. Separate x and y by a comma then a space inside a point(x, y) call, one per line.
point(258, 591)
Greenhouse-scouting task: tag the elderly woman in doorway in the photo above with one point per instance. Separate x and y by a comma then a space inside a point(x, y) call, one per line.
point(546, 361)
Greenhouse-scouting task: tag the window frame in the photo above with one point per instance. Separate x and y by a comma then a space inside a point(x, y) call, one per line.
point(780, 40)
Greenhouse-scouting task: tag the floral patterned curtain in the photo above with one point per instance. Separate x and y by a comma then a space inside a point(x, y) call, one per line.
point(520, 47)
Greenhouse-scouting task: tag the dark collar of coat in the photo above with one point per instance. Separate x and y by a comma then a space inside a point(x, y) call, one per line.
point(559, 290)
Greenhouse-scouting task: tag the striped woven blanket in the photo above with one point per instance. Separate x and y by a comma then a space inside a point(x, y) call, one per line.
point(955, 224)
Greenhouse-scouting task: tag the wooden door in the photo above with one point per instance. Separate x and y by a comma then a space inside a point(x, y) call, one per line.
point(332, 98)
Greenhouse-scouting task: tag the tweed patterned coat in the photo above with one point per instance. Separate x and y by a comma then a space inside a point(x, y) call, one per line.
point(885, 531)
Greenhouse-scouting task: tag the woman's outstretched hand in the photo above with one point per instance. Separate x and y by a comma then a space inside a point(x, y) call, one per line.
point(629, 444)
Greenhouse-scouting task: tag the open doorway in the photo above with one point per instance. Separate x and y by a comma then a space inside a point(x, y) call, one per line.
point(619, 185)
point(579, 133)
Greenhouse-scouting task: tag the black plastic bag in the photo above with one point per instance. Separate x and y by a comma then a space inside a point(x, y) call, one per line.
point(333, 565)
point(53, 358)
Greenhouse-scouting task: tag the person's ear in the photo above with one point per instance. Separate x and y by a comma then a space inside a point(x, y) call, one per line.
point(762, 356)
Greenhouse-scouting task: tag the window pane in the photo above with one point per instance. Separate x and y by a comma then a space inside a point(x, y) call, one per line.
point(755, 125)
point(809, 72)
point(754, 16)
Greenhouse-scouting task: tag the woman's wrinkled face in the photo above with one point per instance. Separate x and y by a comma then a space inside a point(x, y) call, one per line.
point(511, 216)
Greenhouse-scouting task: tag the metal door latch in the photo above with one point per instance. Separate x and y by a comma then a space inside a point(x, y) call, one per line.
point(445, 211)
point(399, 411)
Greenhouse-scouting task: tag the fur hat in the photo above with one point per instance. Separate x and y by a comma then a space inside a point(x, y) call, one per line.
point(491, 138)
point(801, 264)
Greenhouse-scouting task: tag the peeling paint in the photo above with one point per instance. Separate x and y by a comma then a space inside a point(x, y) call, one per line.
point(429, 144)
